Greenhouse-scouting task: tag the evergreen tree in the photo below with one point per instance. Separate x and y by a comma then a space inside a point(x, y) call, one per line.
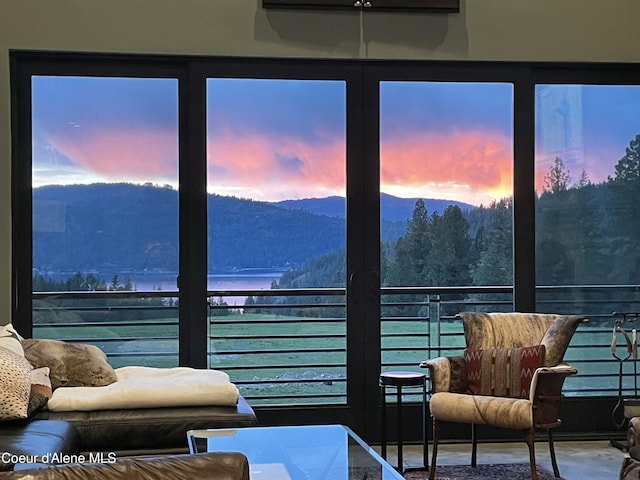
point(624, 228)
point(557, 178)
point(583, 180)
point(214, 305)
point(496, 262)
point(115, 283)
point(628, 167)
point(554, 266)
point(384, 263)
point(451, 245)
point(79, 282)
point(409, 264)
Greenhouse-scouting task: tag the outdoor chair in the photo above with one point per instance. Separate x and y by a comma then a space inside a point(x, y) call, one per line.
point(510, 376)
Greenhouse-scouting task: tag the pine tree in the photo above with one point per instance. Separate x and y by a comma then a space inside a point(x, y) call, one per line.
point(450, 254)
point(115, 283)
point(583, 181)
point(408, 267)
point(496, 262)
point(628, 167)
point(557, 178)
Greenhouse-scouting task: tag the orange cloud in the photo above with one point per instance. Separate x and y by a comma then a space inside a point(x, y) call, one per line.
point(475, 166)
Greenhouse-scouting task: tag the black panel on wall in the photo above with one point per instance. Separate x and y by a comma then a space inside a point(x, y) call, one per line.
point(445, 6)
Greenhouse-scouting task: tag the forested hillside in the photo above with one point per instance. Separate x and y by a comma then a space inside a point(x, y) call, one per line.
point(119, 228)
point(586, 234)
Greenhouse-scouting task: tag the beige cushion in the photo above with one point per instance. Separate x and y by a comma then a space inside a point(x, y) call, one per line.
point(480, 409)
point(15, 385)
point(71, 364)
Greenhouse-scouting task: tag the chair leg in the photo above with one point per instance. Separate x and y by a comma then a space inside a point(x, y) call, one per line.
point(474, 446)
point(436, 439)
point(552, 453)
point(530, 437)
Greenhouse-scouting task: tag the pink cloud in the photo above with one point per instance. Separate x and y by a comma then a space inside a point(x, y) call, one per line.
point(465, 166)
point(278, 163)
point(123, 155)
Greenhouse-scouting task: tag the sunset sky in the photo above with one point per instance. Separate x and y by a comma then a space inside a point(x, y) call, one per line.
point(282, 139)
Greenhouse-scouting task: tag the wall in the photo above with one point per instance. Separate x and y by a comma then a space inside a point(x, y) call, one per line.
point(554, 30)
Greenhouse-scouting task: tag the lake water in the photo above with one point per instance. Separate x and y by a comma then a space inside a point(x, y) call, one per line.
point(166, 282)
point(241, 281)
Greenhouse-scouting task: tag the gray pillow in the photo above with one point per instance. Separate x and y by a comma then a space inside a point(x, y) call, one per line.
point(71, 364)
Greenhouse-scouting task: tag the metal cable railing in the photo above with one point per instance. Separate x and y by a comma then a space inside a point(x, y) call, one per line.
point(290, 346)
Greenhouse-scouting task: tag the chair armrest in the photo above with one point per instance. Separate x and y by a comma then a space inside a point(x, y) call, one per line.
point(550, 378)
point(446, 374)
point(546, 393)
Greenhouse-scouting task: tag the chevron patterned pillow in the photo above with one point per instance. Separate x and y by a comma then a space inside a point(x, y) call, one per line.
point(502, 372)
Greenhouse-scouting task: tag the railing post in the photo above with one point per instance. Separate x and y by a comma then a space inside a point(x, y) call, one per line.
point(434, 325)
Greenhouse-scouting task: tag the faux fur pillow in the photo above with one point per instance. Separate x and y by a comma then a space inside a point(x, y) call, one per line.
point(15, 385)
point(502, 372)
point(71, 364)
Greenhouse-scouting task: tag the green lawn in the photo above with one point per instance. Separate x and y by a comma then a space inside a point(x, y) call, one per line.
point(292, 359)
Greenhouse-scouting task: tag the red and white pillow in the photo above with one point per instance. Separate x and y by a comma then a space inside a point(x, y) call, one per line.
point(502, 372)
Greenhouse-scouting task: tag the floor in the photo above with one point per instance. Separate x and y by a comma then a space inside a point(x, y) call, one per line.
point(594, 460)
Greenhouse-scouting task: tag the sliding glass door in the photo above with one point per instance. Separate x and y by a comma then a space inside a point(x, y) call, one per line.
point(104, 177)
point(446, 195)
point(276, 193)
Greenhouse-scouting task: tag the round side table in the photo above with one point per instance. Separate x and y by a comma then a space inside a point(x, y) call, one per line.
point(398, 380)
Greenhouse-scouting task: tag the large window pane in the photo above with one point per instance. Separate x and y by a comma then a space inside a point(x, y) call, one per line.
point(105, 214)
point(587, 228)
point(276, 162)
point(446, 174)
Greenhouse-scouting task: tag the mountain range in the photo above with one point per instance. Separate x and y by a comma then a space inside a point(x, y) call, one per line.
point(392, 209)
point(120, 228)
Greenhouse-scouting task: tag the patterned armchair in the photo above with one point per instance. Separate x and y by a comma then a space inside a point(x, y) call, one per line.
point(510, 376)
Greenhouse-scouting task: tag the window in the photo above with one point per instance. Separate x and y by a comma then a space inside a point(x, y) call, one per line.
point(446, 162)
point(276, 176)
point(105, 213)
point(446, 153)
point(588, 188)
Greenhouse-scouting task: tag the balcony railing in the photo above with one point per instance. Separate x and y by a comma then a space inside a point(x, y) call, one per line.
point(290, 346)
